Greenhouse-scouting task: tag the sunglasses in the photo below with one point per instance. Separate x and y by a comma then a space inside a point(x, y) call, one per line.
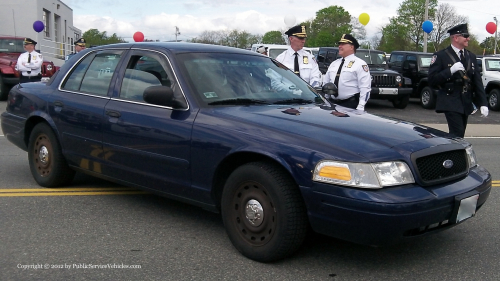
point(464, 35)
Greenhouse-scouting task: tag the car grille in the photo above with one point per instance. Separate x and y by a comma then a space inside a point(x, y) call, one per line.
point(431, 167)
point(384, 81)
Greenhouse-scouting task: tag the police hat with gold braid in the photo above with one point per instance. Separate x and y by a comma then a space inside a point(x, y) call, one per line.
point(349, 39)
point(80, 42)
point(29, 41)
point(297, 31)
point(458, 29)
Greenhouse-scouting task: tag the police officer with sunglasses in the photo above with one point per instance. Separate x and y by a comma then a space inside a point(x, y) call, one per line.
point(454, 72)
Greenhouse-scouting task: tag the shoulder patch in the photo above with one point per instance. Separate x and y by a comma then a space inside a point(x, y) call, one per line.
point(365, 68)
point(434, 57)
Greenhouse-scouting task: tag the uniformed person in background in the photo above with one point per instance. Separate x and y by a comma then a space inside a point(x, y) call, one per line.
point(299, 60)
point(79, 46)
point(30, 63)
point(350, 74)
point(454, 72)
point(262, 50)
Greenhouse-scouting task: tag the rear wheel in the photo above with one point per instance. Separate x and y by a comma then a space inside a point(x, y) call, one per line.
point(427, 98)
point(493, 99)
point(4, 89)
point(47, 164)
point(263, 212)
point(401, 102)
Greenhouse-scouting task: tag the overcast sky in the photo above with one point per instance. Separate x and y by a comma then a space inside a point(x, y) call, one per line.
point(157, 18)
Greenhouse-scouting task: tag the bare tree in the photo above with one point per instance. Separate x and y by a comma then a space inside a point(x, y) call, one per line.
point(445, 18)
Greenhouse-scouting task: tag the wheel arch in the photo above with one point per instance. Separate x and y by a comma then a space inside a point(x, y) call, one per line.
point(492, 85)
point(32, 122)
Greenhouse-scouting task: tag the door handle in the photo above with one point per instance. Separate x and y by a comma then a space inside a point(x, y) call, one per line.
point(113, 113)
point(58, 104)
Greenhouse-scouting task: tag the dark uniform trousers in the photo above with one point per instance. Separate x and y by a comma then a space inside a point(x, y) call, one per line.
point(454, 97)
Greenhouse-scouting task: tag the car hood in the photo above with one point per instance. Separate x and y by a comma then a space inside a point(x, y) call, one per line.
point(337, 127)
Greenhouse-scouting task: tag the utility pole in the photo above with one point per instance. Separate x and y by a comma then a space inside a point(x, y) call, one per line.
point(176, 33)
point(496, 25)
point(426, 18)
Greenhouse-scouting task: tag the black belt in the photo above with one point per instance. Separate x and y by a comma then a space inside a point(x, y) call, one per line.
point(356, 96)
point(32, 77)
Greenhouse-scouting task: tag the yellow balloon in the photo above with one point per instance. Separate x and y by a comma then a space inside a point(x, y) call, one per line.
point(364, 18)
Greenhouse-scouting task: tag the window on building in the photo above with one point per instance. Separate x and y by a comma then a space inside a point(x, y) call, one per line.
point(46, 22)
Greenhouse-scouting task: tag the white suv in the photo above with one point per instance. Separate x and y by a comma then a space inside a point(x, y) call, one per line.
point(489, 67)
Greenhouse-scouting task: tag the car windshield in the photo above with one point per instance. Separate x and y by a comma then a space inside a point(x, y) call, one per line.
point(425, 61)
point(273, 52)
point(12, 45)
point(230, 79)
point(371, 57)
point(493, 65)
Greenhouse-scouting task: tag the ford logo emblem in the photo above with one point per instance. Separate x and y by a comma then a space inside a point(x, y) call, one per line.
point(448, 164)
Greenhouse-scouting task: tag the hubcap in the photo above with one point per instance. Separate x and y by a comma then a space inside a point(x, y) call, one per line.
point(43, 155)
point(493, 100)
point(254, 212)
point(425, 97)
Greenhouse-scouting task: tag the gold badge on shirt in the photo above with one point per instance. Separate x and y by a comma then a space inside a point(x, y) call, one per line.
point(305, 60)
point(350, 64)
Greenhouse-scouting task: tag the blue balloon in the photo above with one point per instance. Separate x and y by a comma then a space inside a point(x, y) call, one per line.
point(38, 26)
point(427, 26)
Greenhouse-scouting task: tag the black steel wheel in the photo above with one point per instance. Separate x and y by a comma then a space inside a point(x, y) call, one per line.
point(427, 98)
point(401, 102)
point(47, 164)
point(493, 99)
point(4, 89)
point(263, 212)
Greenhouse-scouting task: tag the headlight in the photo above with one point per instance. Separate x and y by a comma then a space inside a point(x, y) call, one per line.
point(471, 156)
point(363, 175)
point(49, 67)
point(398, 79)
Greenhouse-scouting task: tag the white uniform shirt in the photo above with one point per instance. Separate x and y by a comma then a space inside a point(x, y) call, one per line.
point(354, 78)
point(35, 65)
point(308, 67)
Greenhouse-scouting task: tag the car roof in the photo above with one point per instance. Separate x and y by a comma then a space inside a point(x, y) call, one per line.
point(411, 52)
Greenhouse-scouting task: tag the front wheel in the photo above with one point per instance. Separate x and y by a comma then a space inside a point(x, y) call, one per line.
point(263, 212)
point(47, 164)
point(493, 99)
point(427, 98)
point(401, 102)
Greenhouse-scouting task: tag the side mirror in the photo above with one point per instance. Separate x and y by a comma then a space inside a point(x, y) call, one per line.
point(330, 89)
point(162, 95)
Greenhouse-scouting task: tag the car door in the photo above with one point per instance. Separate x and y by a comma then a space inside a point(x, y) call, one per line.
point(78, 107)
point(146, 144)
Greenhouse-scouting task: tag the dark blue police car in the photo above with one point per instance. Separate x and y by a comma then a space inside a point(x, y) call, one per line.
point(238, 133)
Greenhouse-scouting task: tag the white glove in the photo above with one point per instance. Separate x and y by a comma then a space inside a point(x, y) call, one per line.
point(360, 107)
point(484, 111)
point(456, 67)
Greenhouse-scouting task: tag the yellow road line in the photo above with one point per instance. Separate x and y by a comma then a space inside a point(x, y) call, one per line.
point(65, 189)
point(70, 193)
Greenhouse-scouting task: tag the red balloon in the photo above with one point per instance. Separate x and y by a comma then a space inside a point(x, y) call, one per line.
point(491, 27)
point(138, 36)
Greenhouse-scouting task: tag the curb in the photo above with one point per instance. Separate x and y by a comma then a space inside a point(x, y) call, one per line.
point(473, 130)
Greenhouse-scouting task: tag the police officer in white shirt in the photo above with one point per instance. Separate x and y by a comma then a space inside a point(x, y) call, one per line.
point(299, 60)
point(350, 74)
point(30, 63)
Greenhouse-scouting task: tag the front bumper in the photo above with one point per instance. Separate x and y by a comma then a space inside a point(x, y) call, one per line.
point(390, 215)
point(391, 91)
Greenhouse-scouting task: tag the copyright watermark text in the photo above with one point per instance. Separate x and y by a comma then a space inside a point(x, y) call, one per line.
point(78, 266)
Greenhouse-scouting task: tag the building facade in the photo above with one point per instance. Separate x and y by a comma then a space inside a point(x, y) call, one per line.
point(56, 40)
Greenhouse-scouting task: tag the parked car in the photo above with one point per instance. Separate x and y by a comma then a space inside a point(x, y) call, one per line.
point(489, 66)
point(415, 65)
point(274, 50)
point(10, 50)
point(217, 129)
point(386, 84)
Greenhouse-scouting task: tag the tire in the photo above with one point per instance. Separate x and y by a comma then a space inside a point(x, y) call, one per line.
point(47, 164)
point(4, 89)
point(427, 98)
point(263, 212)
point(401, 102)
point(493, 99)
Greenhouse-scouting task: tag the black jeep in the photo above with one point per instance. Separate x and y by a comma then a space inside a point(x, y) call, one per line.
point(415, 65)
point(386, 84)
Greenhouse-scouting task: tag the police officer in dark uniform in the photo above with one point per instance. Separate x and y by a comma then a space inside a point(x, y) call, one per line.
point(79, 46)
point(455, 74)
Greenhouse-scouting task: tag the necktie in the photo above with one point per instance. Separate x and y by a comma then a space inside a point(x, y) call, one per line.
point(29, 58)
point(296, 64)
point(462, 58)
point(338, 74)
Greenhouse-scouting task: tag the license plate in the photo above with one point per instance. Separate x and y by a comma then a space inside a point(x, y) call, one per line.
point(467, 208)
point(388, 91)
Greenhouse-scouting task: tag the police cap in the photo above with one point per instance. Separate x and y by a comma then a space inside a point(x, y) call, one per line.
point(349, 39)
point(458, 29)
point(80, 42)
point(261, 49)
point(29, 41)
point(297, 31)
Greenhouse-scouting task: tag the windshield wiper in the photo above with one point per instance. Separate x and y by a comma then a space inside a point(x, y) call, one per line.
point(239, 101)
point(293, 101)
